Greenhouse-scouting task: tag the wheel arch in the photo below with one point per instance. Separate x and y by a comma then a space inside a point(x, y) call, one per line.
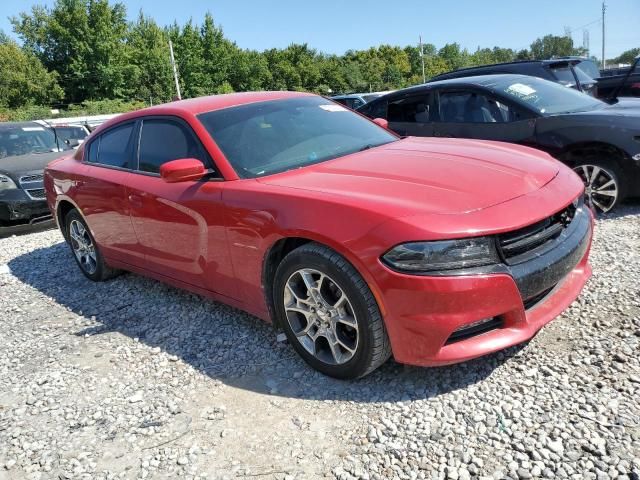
point(63, 207)
point(272, 258)
point(571, 154)
point(282, 246)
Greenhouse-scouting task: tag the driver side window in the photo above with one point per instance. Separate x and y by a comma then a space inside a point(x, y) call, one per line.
point(473, 107)
point(162, 141)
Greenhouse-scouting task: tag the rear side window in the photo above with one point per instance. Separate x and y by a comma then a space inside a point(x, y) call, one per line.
point(162, 141)
point(112, 147)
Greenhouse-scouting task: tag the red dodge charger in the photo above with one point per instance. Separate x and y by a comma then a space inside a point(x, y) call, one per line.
point(357, 243)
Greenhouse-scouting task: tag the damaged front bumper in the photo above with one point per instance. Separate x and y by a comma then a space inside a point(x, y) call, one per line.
point(17, 209)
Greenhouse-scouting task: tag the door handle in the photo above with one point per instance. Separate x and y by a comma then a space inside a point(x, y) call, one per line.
point(135, 201)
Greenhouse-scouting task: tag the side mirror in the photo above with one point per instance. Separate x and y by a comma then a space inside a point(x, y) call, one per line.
point(183, 170)
point(73, 142)
point(381, 122)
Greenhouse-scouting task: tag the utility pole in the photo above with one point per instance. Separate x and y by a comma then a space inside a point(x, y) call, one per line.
point(585, 42)
point(424, 78)
point(604, 9)
point(175, 70)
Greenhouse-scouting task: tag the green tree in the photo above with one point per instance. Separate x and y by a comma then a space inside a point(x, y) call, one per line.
point(23, 79)
point(249, 71)
point(189, 52)
point(625, 57)
point(551, 46)
point(454, 56)
point(82, 41)
point(148, 53)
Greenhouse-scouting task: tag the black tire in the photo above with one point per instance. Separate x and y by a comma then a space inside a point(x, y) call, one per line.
point(373, 347)
point(611, 170)
point(102, 271)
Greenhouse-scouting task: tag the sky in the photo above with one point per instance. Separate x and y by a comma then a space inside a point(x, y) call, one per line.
point(335, 26)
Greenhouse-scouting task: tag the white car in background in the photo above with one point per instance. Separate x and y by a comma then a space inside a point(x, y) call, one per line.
point(73, 130)
point(356, 100)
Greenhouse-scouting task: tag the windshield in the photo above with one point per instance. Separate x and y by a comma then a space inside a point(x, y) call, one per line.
point(23, 140)
point(589, 68)
point(278, 135)
point(547, 98)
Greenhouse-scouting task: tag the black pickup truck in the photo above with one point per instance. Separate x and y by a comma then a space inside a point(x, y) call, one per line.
point(25, 149)
point(626, 79)
point(575, 72)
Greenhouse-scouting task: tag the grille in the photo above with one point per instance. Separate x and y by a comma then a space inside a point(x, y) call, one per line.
point(515, 245)
point(36, 193)
point(32, 178)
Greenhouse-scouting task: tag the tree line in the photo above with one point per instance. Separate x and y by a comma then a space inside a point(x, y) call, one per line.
point(85, 54)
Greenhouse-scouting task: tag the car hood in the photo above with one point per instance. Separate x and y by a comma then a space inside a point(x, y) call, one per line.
point(18, 165)
point(426, 175)
point(628, 107)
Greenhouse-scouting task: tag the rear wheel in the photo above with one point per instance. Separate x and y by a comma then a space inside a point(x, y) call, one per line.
point(602, 184)
point(329, 314)
point(85, 250)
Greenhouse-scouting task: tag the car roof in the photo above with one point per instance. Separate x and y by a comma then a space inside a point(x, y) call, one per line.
point(14, 125)
point(216, 102)
point(350, 95)
point(198, 105)
point(473, 81)
point(515, 64)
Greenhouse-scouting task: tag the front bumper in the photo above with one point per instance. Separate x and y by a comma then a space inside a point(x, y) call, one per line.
point(17, 208)
point(425, 314)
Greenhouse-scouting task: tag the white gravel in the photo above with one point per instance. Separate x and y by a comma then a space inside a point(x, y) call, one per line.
point(135, 379)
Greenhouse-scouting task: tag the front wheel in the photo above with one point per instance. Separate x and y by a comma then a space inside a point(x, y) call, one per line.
point(602, 185)
point(328, 313)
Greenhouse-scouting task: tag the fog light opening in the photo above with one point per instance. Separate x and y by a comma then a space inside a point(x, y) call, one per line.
point(469, 330)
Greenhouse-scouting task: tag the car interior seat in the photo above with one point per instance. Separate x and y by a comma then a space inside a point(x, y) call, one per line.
point(422, 113)
point(476, 110)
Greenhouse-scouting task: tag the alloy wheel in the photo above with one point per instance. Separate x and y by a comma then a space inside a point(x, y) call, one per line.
point(83, 247)
point(321, 316)
point(601, 187)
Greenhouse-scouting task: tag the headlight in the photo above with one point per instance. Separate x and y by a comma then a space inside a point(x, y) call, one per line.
point(418, 257)
point(6, 183)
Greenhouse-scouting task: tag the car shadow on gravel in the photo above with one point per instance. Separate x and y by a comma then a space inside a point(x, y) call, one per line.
point(219, 341)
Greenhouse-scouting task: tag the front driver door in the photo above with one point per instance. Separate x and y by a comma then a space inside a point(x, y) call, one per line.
point(180, 225)
point(475, 114)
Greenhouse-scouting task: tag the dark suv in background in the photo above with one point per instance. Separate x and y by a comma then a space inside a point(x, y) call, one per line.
point(574, 72)
point(25, 149)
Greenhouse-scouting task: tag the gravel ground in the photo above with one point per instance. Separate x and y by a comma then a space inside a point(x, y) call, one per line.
point(135, 379)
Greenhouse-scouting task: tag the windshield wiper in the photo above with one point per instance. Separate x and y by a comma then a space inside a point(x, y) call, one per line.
point(367, 147)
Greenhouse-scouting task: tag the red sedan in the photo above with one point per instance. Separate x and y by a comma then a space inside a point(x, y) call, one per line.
point(358, 244)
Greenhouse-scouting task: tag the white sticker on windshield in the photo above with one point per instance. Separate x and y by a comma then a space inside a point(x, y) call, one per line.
point(32, 129)
point(333, 108)
point(521, 89)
